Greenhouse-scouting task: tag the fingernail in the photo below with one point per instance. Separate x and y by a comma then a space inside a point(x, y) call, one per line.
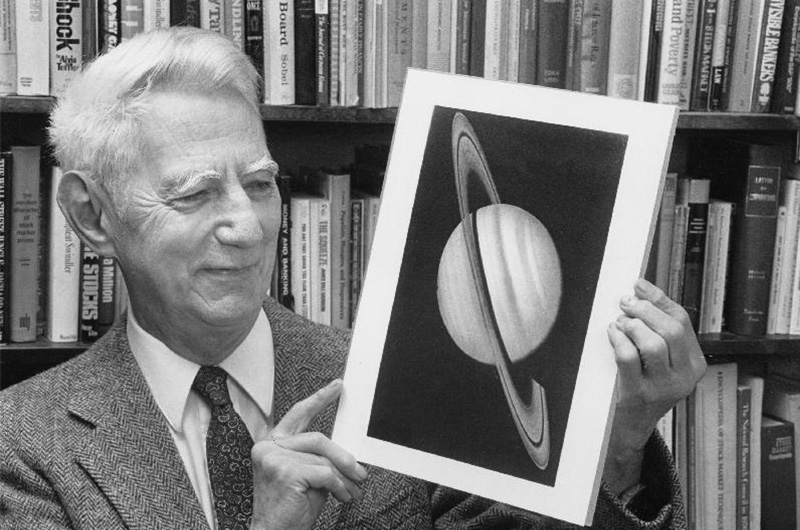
point(335, 383)
point(361, 471)
point(627, 300)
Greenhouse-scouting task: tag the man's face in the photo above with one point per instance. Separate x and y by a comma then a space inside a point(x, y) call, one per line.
point(197, 240)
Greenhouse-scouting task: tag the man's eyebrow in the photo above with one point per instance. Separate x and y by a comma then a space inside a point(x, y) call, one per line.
point(265, 163)
point(185, 180)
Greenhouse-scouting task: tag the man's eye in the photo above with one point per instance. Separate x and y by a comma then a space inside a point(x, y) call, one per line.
point(260, 186)
point(191, 198)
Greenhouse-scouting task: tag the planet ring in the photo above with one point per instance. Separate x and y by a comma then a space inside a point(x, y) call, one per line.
point(531, 419)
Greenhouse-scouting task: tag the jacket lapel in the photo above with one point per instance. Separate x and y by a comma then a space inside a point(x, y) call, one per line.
point(128, 451)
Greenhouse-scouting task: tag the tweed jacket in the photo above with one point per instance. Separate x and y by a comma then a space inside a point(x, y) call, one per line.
point(85, 446)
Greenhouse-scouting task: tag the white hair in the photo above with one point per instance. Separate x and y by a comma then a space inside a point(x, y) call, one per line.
point(95, 126)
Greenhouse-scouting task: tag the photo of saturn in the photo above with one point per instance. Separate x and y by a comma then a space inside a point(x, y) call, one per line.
point(496, 284)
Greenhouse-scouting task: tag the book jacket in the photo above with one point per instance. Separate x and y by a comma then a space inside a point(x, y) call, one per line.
point(513, 218)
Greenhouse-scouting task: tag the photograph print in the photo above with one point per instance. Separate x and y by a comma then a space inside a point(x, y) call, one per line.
point(495, 280)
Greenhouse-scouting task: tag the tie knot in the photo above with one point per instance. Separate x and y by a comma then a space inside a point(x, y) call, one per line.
point(210, 383)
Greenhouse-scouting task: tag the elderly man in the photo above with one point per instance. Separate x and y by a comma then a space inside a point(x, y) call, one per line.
point(207, 405)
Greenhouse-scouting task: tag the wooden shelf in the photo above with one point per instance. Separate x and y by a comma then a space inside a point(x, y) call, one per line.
point(727, 344)
point(300, 113)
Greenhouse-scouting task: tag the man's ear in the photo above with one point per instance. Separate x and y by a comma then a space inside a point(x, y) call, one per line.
point(88, 209)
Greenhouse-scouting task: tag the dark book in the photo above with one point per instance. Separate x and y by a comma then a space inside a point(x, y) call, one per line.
point(109, 29)
point(184, 13)
point(744, 396)
point(323, 57)
point(463, 29)
point(778, 481)
point(654, 50)
point(254, 35)
point(769, 45)
point(694, 193)
point(784, 90)
point(528, 40)
point(89, 31)
point(106, 303)
point(305, 53)
point(25, 235)
point(477, 39)
point(749, 176)
point(5, 226)
point(700, 96)
point(551, 61)
point(89, 310)
point(283, 263)
point(720, 71)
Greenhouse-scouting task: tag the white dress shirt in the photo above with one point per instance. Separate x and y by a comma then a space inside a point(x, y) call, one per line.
point(251, 374)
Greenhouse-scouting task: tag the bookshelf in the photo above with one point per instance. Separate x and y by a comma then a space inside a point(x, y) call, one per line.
point(308, 135)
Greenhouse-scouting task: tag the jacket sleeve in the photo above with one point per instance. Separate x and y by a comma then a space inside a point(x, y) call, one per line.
point(658, 506)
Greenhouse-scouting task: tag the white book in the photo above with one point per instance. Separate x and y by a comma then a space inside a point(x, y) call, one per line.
point(624, 47)
point(300, 243)
point(493, 41)
point(745, 55)
point(666, 225)
point(156, 14)
point(350, 44)
point(63, 275)
point(756, 385)
point(779, 317)
point(690, 30)
point(369, 43)
point(319, 261)
point(677, 262)
point(66, 44)
point(212, 15)
point(33, 59)
point(234, 21)
point(8, 48)
point(438, 40)
point(279, 52)
point(673, 42)
point(512, 55)
point(715, 267)
point(644, 49)
point(419, 33)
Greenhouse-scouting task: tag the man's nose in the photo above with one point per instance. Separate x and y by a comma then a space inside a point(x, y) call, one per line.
point(239, 225)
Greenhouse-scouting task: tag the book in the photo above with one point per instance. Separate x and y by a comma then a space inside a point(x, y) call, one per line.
point(477, 38)
point(721, 51)
point(756, 385)
point(8, 48)
point(754, 174)
point(671, 58)
point(157, 13)
point(5, 242)
point(440, 26)
point(300, 242)
point(493, 65)
point(66, 43)
point(688, 52)
point(187, 13)
point(89, 26)
point(89, 303)
point(766, 66)
point(694, 193)
point(785, 256)
point(399, 55)
point(782, 401)
point(715, 447)
point(594, 47)
point(63, 278)
point(25, 239)
point(131, 18)
point(419, 33)
point(319, 261)
point(677, 254)
point(106, 303)
point(655, 31)
point(462, 24)
point(784, 90)
point(744, 398)
point(334, 51)
point(323, 53)
point(335, 187)
point(666, 222)
point(357, 249)
point(305, 53)
point(528, 41)
point(778, 482)
point(349, 55)
point(551, 59)
point(254, 34)
point(715, 267)
point(108, 24)
point(32, 20)
point(625, 49)
point(701, 78)
point(512, 38)
point(234, 21)
point(212, 15)
point(279, 55)
point(283, 259)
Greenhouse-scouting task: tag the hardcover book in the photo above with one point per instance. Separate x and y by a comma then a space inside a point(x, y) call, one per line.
point(66, 43)
point(694, 193)
point(33, 58)
point(452, 377)
point(5, 242)
point(782, 401)
point(778, 482)
point(8, 48)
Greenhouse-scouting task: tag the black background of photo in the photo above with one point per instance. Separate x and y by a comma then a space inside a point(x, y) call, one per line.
point(431, 396)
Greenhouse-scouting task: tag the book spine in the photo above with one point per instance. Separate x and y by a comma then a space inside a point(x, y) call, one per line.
point(513, 36)
point(89, 295)
point(666, 222)
point(234, 22)
point(323, 58)
point(109, 32)
point(349, 55)
point(63, 278)
point(784, 90)
point(721, 91)
point(595, 35)
point(300, 250)
point(319, 261)
point(284, 253)
point(419, 33)
point(492, 39)
point(33, 59)
point(670, 66)
point(381, 54)
point(157, 13)
point(66, 43)
point(744, 65)
point(399, 58)
point(356, 254)
point(778, 263)
point(5, 242)
point(744, 395)
point(694, 256)
point(528, 41)
point(439, 34)
point(624, 49)
point(25, 239)
point(551, 60)
point(477, 41)
point(336, 188)
point(254, 34)
point(688, 52)
point(785, 280)
point(719, 64)
point(778, 482)
point(574, 44)
point(752, 252)
point(372, 209)
point(655, 37)
point(8, 47)
point(106, 304)
point(131, 20)
point(715, 268)
point(463, 25)
point(185, 13)
point(279, 53)
point(768, 46)
point(305, 65)
point(677, 262)
point(701, 80)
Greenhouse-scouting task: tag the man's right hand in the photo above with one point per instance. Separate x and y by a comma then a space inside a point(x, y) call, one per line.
point(294, 470)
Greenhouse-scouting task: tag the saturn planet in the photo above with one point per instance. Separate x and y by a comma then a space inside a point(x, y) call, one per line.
point(499, 287)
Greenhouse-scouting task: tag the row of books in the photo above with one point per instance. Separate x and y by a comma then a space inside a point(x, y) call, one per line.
point(51, 285)
point(727, 239)
point(727, 55)
point(735, 440)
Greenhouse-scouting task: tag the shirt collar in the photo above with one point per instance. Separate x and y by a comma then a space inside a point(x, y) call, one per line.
point(170, 376)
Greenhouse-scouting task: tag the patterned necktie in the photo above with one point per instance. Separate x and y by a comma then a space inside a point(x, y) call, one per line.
point(228, 446)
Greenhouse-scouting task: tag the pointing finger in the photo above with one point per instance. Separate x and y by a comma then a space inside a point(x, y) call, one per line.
point(303, 412)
